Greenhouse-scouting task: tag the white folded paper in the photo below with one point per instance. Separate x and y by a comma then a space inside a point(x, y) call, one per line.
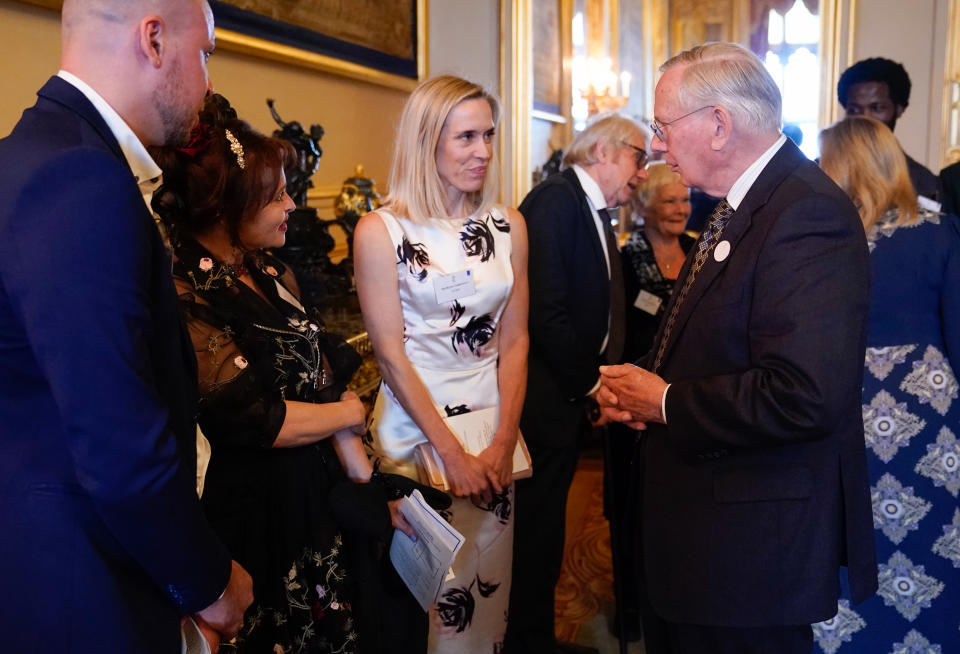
point(423, 563)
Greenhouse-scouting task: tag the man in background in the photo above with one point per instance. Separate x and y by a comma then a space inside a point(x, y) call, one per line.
point(880, 89)
point(577, 313)
point(105, 545)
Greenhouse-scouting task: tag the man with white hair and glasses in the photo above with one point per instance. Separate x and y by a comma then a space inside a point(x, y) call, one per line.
point(752, 467)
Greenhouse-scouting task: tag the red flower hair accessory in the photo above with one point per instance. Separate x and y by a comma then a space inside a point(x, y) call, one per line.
point(199, 140)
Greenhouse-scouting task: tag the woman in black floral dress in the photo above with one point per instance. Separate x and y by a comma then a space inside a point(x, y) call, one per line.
point(281, 427)
point(653, 255)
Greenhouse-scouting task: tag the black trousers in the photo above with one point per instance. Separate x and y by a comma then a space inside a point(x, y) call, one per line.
point(541, 504)
point(701, 639)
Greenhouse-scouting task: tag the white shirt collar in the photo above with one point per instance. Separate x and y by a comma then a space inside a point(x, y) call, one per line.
point(740, 187)
point(591, 188)
point(141, 163)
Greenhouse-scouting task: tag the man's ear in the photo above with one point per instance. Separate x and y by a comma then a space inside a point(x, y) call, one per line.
point(721, 122)
point(601, 151)
point(152, 31)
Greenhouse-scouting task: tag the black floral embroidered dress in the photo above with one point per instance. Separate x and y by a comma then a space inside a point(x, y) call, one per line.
point(453, 345)
point(269, 505)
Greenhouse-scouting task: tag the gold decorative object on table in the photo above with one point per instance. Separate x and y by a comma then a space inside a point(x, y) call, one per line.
point(358, 196)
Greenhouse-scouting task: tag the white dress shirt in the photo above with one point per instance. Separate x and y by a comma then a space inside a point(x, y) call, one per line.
point(596, 201)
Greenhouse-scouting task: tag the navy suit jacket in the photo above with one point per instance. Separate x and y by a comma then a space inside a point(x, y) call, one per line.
point(950, 179)
point(104, 543)
point(569, 309)
point(756, 491)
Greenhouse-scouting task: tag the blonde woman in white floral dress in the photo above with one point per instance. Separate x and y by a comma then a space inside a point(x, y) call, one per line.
point(444, 353)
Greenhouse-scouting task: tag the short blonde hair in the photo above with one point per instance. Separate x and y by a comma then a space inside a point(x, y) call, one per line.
point(415, 188)
point(612, 129)
point(728, 74)
point(864, 158)
point(658, 176)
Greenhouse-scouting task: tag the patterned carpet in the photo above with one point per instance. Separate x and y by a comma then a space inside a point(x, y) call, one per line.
point(584, 597)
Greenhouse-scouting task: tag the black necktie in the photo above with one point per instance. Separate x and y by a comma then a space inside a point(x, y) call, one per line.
point(618, 309)
point(708, 238)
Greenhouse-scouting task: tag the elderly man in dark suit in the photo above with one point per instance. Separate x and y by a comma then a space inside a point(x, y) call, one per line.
point(576, 323)
point(105, 545)
point(754, 475)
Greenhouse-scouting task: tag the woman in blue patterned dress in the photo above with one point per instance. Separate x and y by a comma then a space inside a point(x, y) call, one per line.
point(911, 412)
point(441, 275)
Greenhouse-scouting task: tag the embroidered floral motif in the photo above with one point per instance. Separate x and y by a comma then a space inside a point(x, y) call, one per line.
point(501, 505)
point(206, 264)
point(831, 634)
point(477, 239)
point(888, 426)
point(270, 270)
point(886, 225)
point(501, 224)
point(456, 410)
point(240, 362)
point(312, 592)
point(906, 587)
point(932, 381)
point(915, 643)
point(415, 257)
point(942, 462)
point(456, 312)
point(896, 510)
point(948, 545)
point(477, 333)
point(486, 588)
point(881, 360)
point(456, 608)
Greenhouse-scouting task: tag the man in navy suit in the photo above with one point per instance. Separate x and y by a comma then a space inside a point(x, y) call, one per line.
point(752, 466)
point(576, 322)
point(104, 543)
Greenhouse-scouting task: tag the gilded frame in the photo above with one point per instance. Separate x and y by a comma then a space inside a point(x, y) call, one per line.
point(237, 41)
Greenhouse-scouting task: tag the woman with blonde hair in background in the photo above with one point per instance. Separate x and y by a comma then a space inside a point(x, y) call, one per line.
point(441, 275)
point(911, 410)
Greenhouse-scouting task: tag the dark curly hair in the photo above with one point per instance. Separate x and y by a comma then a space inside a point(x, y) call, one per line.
point(203, 182)
point(876, 69)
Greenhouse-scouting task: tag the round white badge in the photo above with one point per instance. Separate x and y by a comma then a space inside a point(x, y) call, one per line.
point(722, 251)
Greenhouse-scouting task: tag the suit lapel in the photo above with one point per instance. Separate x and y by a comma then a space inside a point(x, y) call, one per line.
point(780, 166)
point(587, 215)
point(63, 93)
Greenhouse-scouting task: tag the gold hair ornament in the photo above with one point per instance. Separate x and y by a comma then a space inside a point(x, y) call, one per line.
point(235, 147)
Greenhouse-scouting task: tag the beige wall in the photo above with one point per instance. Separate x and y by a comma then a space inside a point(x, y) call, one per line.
point(913, 33)
point(358, 117)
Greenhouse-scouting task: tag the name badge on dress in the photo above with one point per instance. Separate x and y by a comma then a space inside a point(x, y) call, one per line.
point(648, 302)
point(454, 286)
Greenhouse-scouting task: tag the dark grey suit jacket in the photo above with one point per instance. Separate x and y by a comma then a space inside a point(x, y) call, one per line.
point(756, 491)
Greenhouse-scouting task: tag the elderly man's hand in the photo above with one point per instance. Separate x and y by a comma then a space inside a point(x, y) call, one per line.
point(631, 395)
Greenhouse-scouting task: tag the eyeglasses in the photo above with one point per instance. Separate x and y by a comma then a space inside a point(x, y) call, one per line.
point(639, 154)
point(657, 126)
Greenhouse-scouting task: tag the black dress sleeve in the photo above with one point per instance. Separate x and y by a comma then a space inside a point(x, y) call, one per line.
point(239, 406)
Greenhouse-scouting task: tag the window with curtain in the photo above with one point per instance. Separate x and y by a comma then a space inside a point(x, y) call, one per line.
point(785, 34)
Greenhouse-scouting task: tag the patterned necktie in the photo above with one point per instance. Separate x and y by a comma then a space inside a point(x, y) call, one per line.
point(618, 309)
point(708, 238)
